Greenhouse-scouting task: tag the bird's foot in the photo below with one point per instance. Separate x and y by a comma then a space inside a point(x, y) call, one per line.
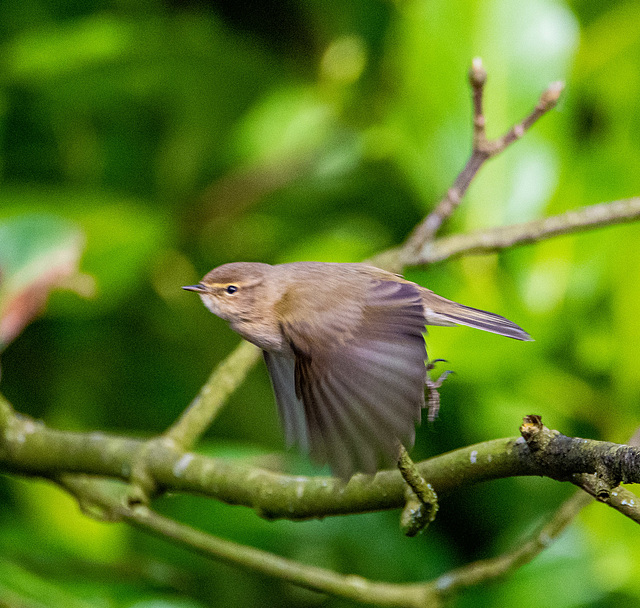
point(433, 396)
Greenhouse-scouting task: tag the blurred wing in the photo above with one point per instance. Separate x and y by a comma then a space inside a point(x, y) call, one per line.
point(290, 408)
point(440, 311)
point(362, 388)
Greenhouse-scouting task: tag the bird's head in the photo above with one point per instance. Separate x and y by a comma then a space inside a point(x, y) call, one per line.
point(232, 291)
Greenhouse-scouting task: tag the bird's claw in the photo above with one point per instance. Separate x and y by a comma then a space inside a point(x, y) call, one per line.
point(433, 398)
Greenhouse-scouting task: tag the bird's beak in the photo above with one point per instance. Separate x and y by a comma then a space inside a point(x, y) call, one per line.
point(199, 288)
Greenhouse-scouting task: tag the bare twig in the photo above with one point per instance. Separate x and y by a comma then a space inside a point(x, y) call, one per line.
point(486, 570)
point(503, 237)
point(318, 579)
point(97, 497)
point(477, 80)
point(422, 503)
point(482, 150)
point(204, 408)
point(548, 100)
point(497, 239)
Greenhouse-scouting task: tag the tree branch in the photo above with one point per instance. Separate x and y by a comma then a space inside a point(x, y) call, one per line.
point(482, 150)
point(619, 498)
point(96, 497)
point(195, 420)
point(422, 501)
point(496, 239)
point(224, 380)
point(312, 577)
point(504, 237)
point(486, 570)
point(28, 447)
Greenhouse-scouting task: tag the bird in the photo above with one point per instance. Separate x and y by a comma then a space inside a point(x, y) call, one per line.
point(344, 347)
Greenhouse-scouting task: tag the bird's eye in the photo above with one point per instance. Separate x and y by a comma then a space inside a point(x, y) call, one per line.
point(231, 289)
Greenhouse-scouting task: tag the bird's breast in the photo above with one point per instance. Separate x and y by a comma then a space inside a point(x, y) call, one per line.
point(266, 335)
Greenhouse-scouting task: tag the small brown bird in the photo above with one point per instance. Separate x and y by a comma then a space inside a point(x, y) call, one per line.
point(345, 350)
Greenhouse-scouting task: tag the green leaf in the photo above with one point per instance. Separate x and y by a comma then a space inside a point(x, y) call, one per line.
point(38, 253)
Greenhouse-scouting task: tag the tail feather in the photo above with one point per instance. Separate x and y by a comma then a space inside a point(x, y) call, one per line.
point(447, 312)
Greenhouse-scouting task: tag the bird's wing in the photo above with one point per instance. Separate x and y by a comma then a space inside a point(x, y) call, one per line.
point(282, 374)
point(358, 376)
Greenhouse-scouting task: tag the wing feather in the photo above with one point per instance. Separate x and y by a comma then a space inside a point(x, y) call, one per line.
point(343, 440)
point(360, 384)
point(290, 408)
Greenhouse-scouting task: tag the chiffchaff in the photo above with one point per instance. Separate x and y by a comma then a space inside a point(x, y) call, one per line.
point(345, 350)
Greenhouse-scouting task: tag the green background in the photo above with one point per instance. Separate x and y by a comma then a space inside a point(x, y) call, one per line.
point(180, 135)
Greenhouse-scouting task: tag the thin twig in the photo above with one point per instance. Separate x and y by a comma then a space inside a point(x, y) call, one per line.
point(97, 497)
point(497, 239)
point(486, 570)
point(504, 237)
point(224, 380)
point(548, 100)
point(477, 80)
point(312, 577)
point(482, 150)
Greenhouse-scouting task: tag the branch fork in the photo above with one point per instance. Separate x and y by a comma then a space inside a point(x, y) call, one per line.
point(482, 150)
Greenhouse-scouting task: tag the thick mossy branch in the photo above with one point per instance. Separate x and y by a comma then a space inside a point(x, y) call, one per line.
point(28, 447)
point(557, 454)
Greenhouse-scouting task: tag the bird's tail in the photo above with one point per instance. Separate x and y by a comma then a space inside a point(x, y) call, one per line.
point(440, 311)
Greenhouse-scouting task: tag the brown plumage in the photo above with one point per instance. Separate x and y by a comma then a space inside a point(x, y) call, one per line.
point(344, 347)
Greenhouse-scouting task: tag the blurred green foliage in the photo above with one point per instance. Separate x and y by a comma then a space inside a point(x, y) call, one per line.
point(179, 135)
